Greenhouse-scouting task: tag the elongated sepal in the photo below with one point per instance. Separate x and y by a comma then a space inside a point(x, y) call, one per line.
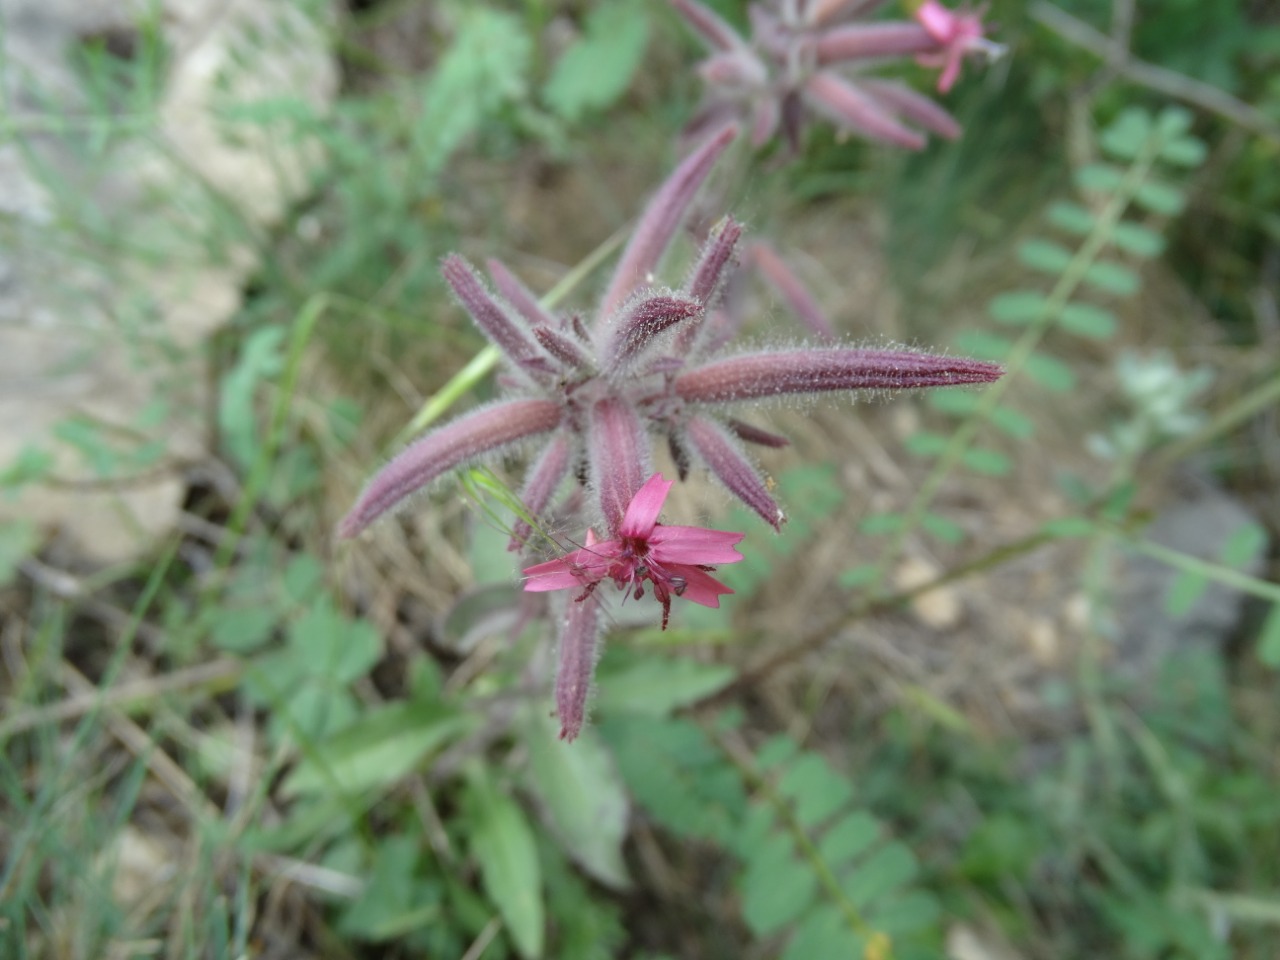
point(915, 107)
point(518, 295)
point(579, 649)
point(544, 476)
point(500, 323)
point(819, 12)
point(563, 347)
point(715, 262)
point(482, 431)
point(788, 286)
point(754, 376)
point(862, 40)
point(708, 25)
point(854, 110)
point(661, 218)
point(725, 458)
point(618, 450)
point(753, 434)
point(639, 323)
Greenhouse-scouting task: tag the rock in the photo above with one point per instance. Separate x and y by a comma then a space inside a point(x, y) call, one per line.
point(939, 608)
point(98, 344)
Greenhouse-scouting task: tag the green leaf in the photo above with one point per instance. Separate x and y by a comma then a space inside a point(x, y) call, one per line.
point(925, 444)
point(1159, 198)
point(1184, 590)
point(484, 68)
point(1246, 543)
point(656, 686)
point(1184, 152)
point(824, 935)
point(1067, 527)
point(1050, 372)
point(378, 749)
point(1070, 217)
point(261, 359)
point(1138, 240)
point(889, 867)
point(1099, 178)
point(1128, 133)
point(582, 795)
point(991, 463)
point(1044, 255)
point(859, 576)
point(1111, 278)
point(1269, 638)
point(878, 524)
point(333, 646)
point(1088, 320)
point(848, 838)
point(984, 346)
point(392, 904)
point(243, 629)
point(956, 402)
point(948, 531)
point(18, 540)
point(597, 69)
point(1012, 422)
point(503, 845)
point(1016, 307)
point(1173, 122)
point(776, 888)
point(915, 910)
point(815, 788)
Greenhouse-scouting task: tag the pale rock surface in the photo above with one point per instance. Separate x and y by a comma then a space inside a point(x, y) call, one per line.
point(111, 336)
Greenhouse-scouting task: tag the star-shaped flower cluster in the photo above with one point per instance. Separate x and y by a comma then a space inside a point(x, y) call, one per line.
point(652, 361)
point(806, 57)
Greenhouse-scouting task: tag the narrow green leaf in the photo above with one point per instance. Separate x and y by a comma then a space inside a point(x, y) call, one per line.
point(984, 346)
point(380, 748)
point(1050, 372)
point(18, 540)
point(1070, 217)
point(948, 531)
point(1044, 255)
point(597, 68)
point(1269, 638)
point(1159, 198)
point(503, 845)
point(1099, 177)
point(1138, 240)
point(1012, 422)
point(882, 523)
point(991, 463)
point(859, 576)
point(925, 444)
point(1184, 152)
point(1088, 320)
point(1112, 278)
point(913, 911)
point(582, 795)
point(656, 686)
point(1016, 307)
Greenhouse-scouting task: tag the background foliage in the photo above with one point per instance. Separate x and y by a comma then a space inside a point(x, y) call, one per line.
point(919, 730)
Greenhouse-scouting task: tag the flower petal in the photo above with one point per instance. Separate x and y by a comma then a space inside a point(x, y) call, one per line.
point(675, 544)
point(699, 586)
point(642, 511)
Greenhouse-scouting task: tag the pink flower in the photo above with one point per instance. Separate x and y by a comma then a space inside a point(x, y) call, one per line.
point(958, 33)
point(674, 559)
